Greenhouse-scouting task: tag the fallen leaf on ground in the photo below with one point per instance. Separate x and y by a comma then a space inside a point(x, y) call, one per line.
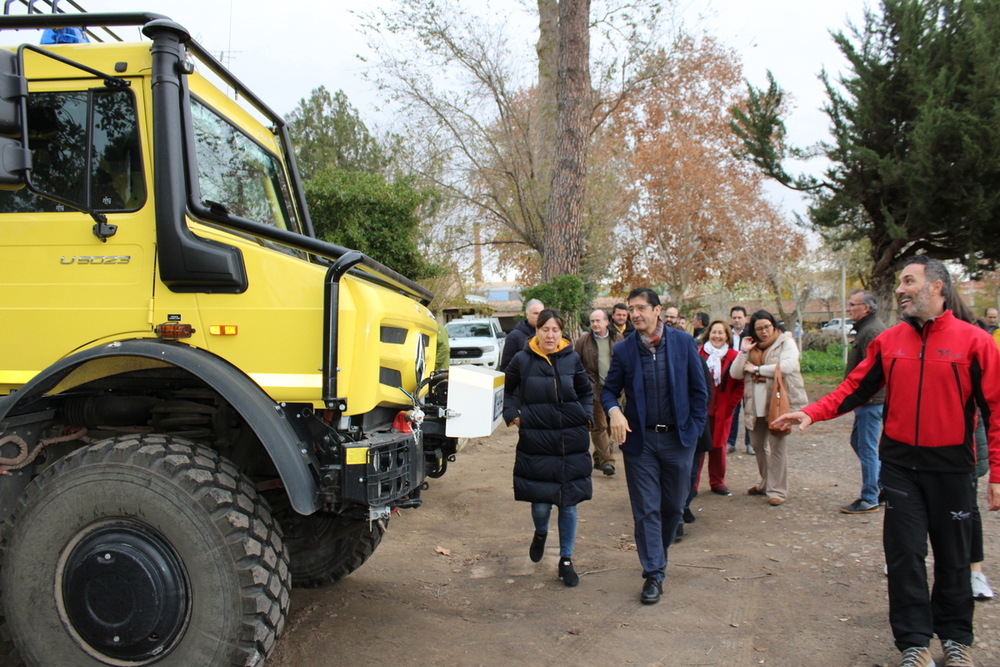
point(443, 551)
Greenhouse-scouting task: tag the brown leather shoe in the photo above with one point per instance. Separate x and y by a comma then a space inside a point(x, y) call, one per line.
point(774, 502)
point(755, 491)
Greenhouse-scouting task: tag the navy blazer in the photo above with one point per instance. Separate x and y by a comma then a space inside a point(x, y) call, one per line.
point(685, 374)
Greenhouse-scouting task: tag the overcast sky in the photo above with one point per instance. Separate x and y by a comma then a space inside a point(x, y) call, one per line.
point(284, 50)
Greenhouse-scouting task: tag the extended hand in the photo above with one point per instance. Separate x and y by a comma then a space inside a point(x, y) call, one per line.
point(993, 496)
point(619, 426)
point(789, 418)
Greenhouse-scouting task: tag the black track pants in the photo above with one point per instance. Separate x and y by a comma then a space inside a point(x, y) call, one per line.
point(921, 504)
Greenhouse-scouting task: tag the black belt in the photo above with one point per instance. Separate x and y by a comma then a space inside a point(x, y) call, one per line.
point(663, 428)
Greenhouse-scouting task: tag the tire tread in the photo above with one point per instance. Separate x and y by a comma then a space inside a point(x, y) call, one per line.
point(230, 499)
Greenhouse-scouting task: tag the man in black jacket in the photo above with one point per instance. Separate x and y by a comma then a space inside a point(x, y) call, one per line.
point(861, 308)
point(621, 321)
point(524, 330)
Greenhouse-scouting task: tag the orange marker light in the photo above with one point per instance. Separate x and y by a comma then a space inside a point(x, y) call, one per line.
point(173, 331)
point(222, 329)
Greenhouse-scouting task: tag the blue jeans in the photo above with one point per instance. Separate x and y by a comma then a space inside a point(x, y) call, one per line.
point(864, 441)
point(540, 513)
point(658, 481)
point(737, 427)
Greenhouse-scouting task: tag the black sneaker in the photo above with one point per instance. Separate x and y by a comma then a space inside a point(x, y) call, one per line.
point(567, 573)
point(859, 507)
point(537, 547)
point(609, 469)
point(688, 515)
point(652, 590)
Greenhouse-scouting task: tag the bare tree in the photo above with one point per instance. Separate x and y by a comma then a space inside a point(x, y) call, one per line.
point(489, 130)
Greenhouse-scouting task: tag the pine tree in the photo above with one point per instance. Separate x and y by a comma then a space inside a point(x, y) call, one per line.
point(916, 124)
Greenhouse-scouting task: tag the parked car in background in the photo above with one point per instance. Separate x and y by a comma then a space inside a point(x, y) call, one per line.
point(834, 326)
point(477, 341)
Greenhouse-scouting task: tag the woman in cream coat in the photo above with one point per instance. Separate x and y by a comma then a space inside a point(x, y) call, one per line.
point(764, 349)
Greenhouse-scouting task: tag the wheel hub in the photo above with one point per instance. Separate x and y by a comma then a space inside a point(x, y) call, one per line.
point(125, 590)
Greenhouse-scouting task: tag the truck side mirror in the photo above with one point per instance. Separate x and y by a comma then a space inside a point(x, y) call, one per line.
point(15, 158)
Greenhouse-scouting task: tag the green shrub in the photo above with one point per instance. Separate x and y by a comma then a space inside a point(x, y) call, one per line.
point(830, 362)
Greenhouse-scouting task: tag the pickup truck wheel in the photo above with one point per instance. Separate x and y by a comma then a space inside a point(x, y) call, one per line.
point(326, 549)
point(142, 550)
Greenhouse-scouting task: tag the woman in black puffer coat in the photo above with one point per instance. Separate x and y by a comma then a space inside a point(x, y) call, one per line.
point(548, 396)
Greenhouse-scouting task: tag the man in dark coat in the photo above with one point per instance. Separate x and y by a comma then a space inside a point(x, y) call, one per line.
point(622, 323)
point(868, 418)
point(666, 408)
point(594, 349)
point(524, 330)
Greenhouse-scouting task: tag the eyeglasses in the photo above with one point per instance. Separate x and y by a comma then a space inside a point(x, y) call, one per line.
point(763, 327)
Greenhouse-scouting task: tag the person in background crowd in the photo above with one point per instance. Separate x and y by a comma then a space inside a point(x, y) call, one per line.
point(622, 323)
point(937, 368)
point(738, 322)
point(725, 392)
point(681, 323)
point(980, 584)
point(700, 325)
point(524, 330)
point(762, 352)
point(547, 395)
point(666, 406)
point(442, 355)
point(861, 308)
point(594, 349)
point(991, 315)
point(670, 316)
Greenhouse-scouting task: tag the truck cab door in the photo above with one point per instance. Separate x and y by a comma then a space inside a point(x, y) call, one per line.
point(65, 282)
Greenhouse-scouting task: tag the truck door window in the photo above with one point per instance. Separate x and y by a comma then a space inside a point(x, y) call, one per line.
point(235, 171)
point(84, 147)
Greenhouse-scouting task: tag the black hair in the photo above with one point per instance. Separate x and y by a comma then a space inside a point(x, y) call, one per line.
point(548, 314)
point(739, 308)
point(620, 306)
point(756, 317)
point(649, 294)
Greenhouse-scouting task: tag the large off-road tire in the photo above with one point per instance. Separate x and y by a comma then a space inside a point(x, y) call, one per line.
point(138, 550)
point(327, 549)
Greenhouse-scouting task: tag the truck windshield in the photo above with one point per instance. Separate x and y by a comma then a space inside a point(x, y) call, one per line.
point(235, 171)
point(93, 159)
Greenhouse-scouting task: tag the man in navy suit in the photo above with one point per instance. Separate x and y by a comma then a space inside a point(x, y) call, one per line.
point(665, 410)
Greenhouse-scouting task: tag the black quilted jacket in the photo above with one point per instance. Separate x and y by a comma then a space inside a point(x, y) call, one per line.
point(553, 398)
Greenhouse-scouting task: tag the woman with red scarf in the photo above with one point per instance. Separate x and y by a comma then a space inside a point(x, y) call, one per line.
point(726, 392)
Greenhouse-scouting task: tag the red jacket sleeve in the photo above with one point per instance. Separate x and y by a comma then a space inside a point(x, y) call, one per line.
point(856, 389)
point(988, 399)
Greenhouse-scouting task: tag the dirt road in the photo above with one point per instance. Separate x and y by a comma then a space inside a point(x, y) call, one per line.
point(800, 585)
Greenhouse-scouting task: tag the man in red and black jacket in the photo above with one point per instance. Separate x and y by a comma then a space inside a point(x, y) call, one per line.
point(936, 368)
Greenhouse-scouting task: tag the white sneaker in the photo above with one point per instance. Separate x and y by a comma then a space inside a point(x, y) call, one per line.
point(980, 587)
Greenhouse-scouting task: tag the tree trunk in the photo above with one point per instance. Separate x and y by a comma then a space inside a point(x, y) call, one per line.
point(543, 126)
point(564, 243)
point(885, 255)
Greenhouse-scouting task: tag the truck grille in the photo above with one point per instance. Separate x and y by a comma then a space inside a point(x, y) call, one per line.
point(466, 353)
point(388, 472)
